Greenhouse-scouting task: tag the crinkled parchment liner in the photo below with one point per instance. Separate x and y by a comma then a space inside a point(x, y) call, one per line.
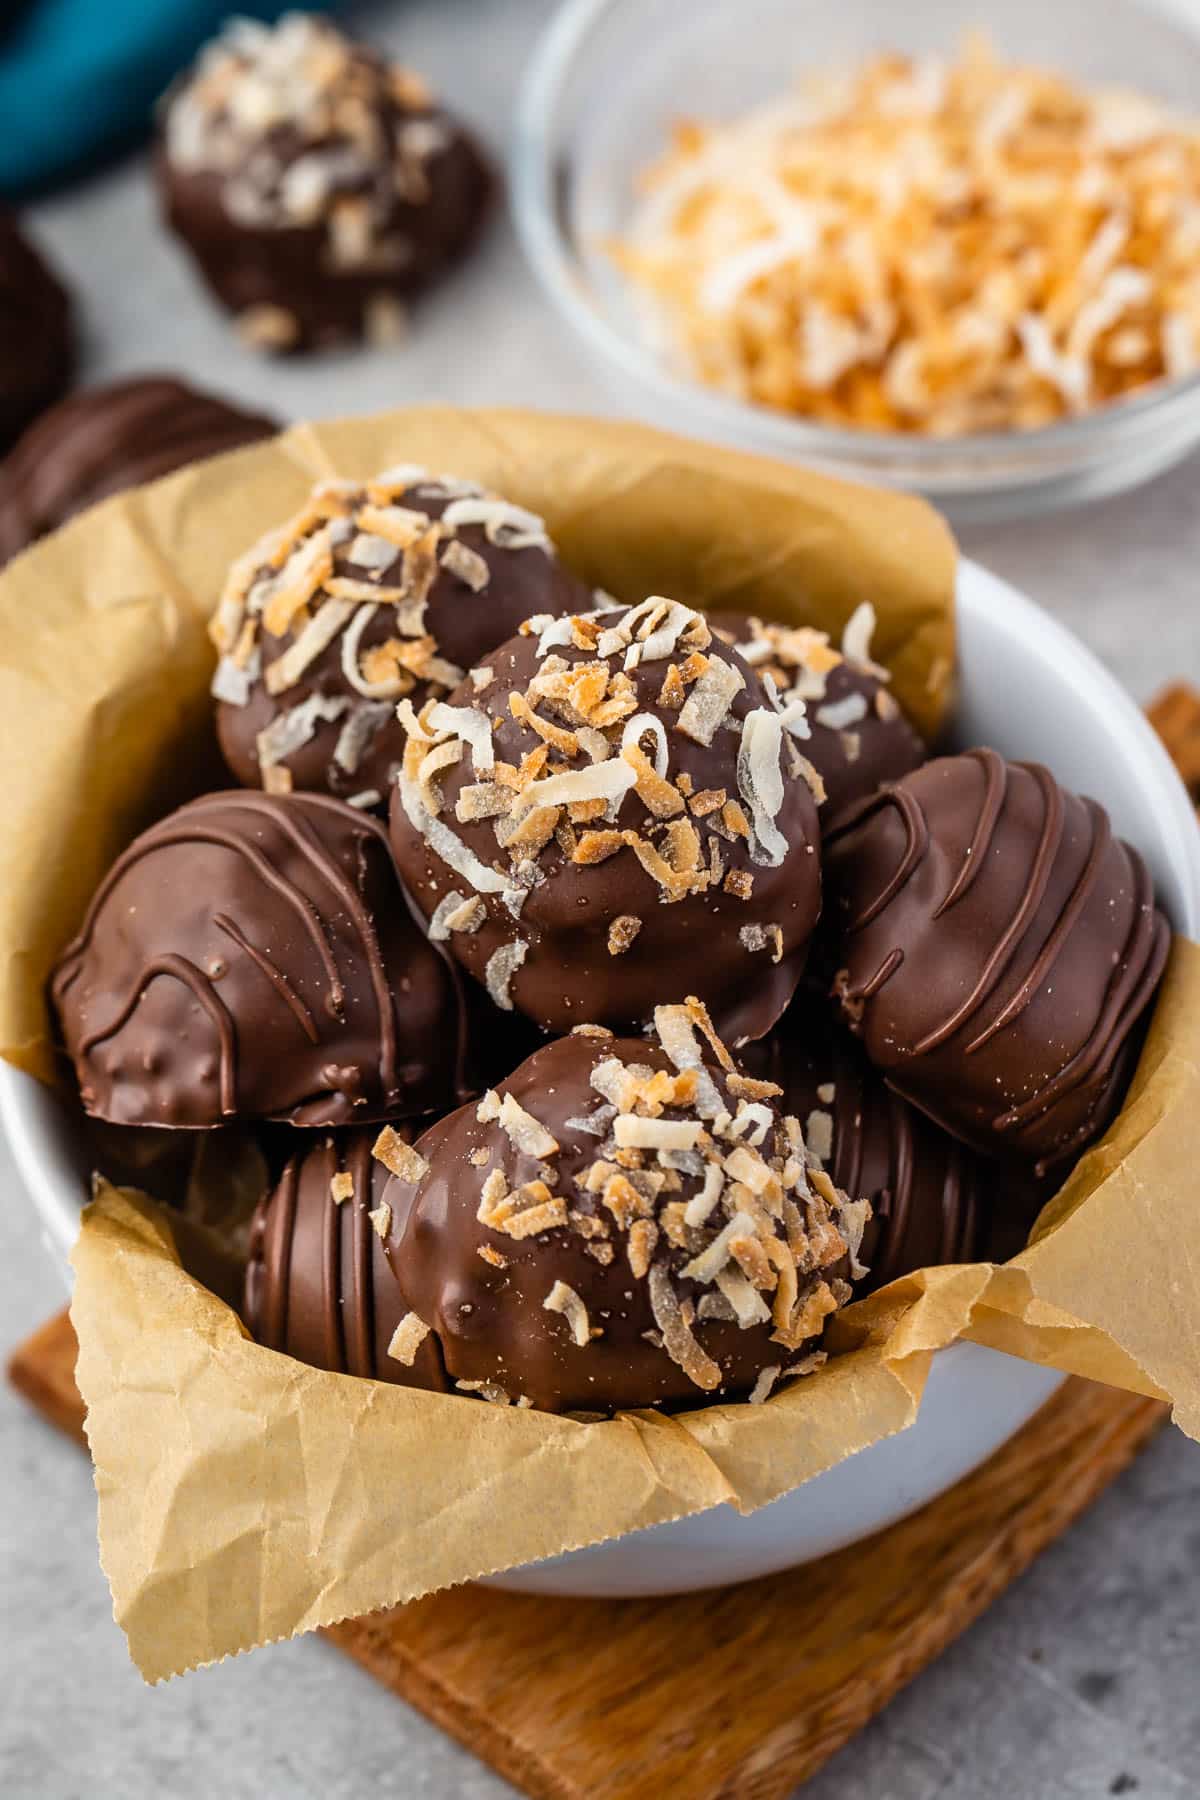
point(244, 1497)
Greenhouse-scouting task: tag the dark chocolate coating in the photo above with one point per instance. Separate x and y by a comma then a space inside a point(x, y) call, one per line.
point(106, 439)
point(36, 346)
point(998, 948)
point(318, 1284)
point(464, 625)
point(490, 1321)
point(252, 956)
point(692, 945)
point(426, 209)
point(931, 1197)
point(854, 760)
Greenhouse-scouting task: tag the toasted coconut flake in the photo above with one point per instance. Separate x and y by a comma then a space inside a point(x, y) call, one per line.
point(447, 844)
point(381, 1218)
point(470, 724)
point(760, 783)
point(500, 969)
point(818, 1133)
point(657, 794)
point(390, 688)
point(404, 1161)
point(407, 1339)
point(231, 683)
point(467, 564)
point(363, 725)
point(301, 578)
point(316, 636)
point(708, 1264)
point(749, 1307)
point(277, 780)
point(764, 1382)
point(634, 1133)
point(698, 1013)
point(701, 1206)
point(563, 1299)
point(507, 526)
point(678, 1341)
point(495, 1258)
point(643, 725)
point(556, 735)
point(527, 1134)
point(837, 715)
point(640, 1247)
point(456, 912)
point(856, 640)
point(341, 1187)
point(707, 706)
point(290, 731)
point(599, 781)
point(622, 932)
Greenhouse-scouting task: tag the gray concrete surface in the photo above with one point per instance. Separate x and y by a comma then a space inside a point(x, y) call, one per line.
point(1083, 1681)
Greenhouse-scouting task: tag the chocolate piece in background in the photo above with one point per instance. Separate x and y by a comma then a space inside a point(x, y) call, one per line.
point(552, 1274)
point(441, 572)
point(933, 1199)
point(318, 1284)
point(105, 439)
point(703, 879)
point(317, 187)
point(858, 736)
point(998, 949)
point(37, 352)
point(253, 956)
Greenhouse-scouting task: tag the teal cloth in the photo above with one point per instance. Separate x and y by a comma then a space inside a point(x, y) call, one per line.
point(79, 78)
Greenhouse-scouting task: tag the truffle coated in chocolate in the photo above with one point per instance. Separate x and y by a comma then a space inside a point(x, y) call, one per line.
point(253, 956)
point(623, 1222)
point(316, 187)
point(318, 1285)
point(998, 948)
point(371, 594)
point(608, 816)
point(857, 735)
point(36, 345)
point(931, 1197)
point(106, 439)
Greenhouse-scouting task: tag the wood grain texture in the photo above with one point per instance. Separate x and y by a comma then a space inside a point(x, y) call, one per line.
point(739, 1693)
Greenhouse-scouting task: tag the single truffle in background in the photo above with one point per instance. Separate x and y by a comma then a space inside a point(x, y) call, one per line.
point(317, 187)
point(106, 439)
point(253, 956)
point(851, 729)
point(318, 1284)
point(998, 948)
point(624, 1222)
point(607, 816)
point(369, 595)
point(931, 1197)
point(37, 351)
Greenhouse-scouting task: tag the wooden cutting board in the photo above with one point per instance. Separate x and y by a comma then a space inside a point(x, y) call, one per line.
point(740, 1693)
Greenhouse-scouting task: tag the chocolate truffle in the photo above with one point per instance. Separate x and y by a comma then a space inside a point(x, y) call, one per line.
point(316, 186)
point(998, 947)
point(369, 595)
point(252, 955)
point(850, 728)
point(609, 814)
point(624, 1222)
point(318, 1285)
point(36, 346)
point(931, 1197)
point(106, 439)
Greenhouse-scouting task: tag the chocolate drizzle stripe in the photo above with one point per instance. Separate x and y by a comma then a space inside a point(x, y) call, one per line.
point(995, 785)
point(361, 1301)
point(180, 969)
point(1101, 837)
point(881, 977)
point(331, 1275)
point(916, 844)
point(994, 968)
point(276, 977)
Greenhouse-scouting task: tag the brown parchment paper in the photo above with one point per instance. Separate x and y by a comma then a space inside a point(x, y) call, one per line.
point(244, 1497)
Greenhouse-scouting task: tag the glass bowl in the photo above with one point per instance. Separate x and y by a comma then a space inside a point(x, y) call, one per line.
point(604, 86)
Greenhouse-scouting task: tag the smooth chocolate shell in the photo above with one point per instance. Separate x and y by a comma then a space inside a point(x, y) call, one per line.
point(106, 439)
point(36, 346)
point(318, 1285)
point(997, 950)
point(253, 956)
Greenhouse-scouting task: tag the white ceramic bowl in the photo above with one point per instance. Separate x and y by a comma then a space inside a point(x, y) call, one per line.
point(1031, 689)
point(609, 78)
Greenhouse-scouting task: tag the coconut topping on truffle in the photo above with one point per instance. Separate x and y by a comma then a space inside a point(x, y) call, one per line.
point(641, 1201)
point(626, 759)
